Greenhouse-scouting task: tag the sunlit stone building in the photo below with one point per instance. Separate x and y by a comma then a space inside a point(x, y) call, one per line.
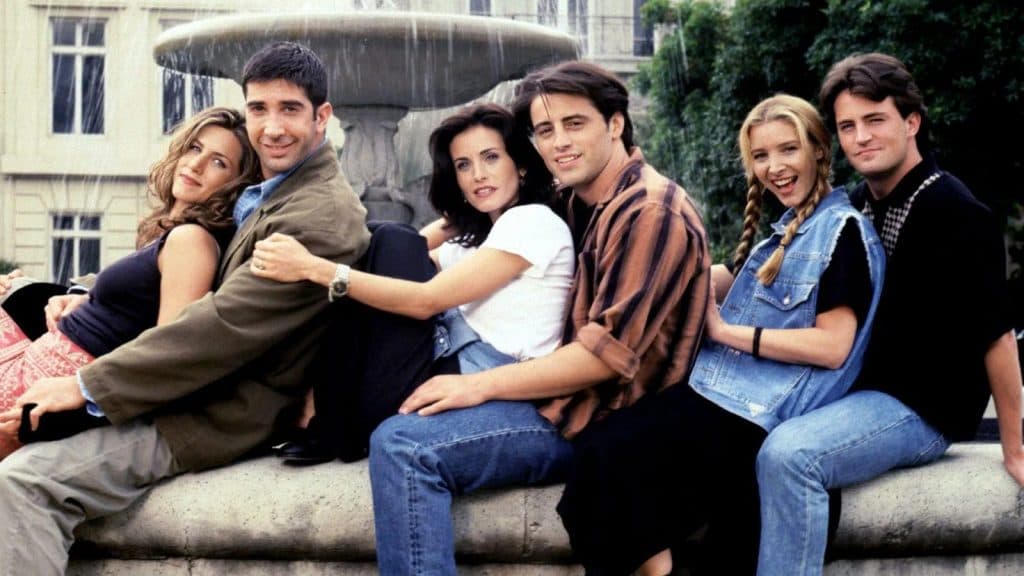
point(84, 110)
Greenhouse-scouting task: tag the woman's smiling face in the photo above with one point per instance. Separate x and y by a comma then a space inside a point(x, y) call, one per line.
point(782, 163)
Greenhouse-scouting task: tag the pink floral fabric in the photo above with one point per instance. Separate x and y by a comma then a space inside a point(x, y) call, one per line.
point(23, 362)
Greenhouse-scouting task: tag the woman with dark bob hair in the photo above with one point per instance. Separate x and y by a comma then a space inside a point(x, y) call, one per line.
point(194, 188)
point(471, 226)
point(487, 284)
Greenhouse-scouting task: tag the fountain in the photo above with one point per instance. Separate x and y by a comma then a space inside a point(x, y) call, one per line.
point(380, 65)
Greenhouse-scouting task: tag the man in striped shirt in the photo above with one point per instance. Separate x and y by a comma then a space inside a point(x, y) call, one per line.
point(639, 295)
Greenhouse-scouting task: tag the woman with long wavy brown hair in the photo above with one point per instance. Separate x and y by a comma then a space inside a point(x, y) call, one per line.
point(194, 188)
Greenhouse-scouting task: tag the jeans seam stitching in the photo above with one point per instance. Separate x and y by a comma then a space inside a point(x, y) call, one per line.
point(864, 437)
point(489, 435)
point(414, 547)
point(931, 445)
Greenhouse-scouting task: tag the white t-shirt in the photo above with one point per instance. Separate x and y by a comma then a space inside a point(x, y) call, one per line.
point(525, 318)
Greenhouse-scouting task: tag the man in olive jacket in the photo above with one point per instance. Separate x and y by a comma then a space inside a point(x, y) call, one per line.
point(207, 388)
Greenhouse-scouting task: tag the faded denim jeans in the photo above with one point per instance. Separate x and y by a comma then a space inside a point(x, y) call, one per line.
point(418, 463)
point(854, 439)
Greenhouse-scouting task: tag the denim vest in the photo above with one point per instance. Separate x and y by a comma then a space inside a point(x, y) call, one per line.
point(453, 335)
point(767, 392)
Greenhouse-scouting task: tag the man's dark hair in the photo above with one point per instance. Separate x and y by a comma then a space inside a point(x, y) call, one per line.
point(577, 78)
point(291, 62)
point(875, 76)
point(535, 186)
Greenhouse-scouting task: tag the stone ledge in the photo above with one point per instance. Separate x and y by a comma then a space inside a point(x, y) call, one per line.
point(966, 503)
point(263, 509)
point(959, 515)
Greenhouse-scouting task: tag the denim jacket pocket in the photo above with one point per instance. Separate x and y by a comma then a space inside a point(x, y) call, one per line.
point(777, 305)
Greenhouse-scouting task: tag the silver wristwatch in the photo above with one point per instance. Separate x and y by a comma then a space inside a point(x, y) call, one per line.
point(339, 286)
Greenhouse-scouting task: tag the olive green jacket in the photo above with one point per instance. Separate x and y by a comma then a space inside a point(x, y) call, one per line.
point(217, 380)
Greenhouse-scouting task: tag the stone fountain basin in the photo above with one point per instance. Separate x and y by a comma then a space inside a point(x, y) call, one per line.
point(407, 60)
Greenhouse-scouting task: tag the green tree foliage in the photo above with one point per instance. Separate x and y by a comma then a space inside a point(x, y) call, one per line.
point(684, 133)
point(659, 12)
point(968, 59)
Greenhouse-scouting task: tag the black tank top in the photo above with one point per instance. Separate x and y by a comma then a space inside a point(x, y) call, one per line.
point(124, 301)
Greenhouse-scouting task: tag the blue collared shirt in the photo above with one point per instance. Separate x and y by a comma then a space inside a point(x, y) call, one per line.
point(253, 196)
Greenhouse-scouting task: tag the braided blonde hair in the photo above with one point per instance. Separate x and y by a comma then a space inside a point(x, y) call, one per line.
point(813, 135)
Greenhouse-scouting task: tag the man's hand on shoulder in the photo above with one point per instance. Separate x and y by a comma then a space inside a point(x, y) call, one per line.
point(444, 392)
point(49, 395)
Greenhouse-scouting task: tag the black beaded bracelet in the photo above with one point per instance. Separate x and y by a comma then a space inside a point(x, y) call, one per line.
point(757, 343)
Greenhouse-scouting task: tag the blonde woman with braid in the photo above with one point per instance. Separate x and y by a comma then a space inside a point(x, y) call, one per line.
point(790, 336)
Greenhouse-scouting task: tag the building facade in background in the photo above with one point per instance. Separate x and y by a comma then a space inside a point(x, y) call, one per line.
point(85, 111)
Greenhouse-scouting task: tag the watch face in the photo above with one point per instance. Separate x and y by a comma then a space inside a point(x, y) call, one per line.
point(339, 285)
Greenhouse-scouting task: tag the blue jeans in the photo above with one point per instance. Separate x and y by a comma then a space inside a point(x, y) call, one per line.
point(854, 439)
point(418, 463)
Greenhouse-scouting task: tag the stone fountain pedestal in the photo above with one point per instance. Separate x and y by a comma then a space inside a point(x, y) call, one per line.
point(380, 65)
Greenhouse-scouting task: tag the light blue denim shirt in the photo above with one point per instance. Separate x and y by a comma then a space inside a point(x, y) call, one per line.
point(767, 392)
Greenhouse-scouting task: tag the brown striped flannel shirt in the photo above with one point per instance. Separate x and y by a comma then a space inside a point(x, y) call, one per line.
point(640, 292)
